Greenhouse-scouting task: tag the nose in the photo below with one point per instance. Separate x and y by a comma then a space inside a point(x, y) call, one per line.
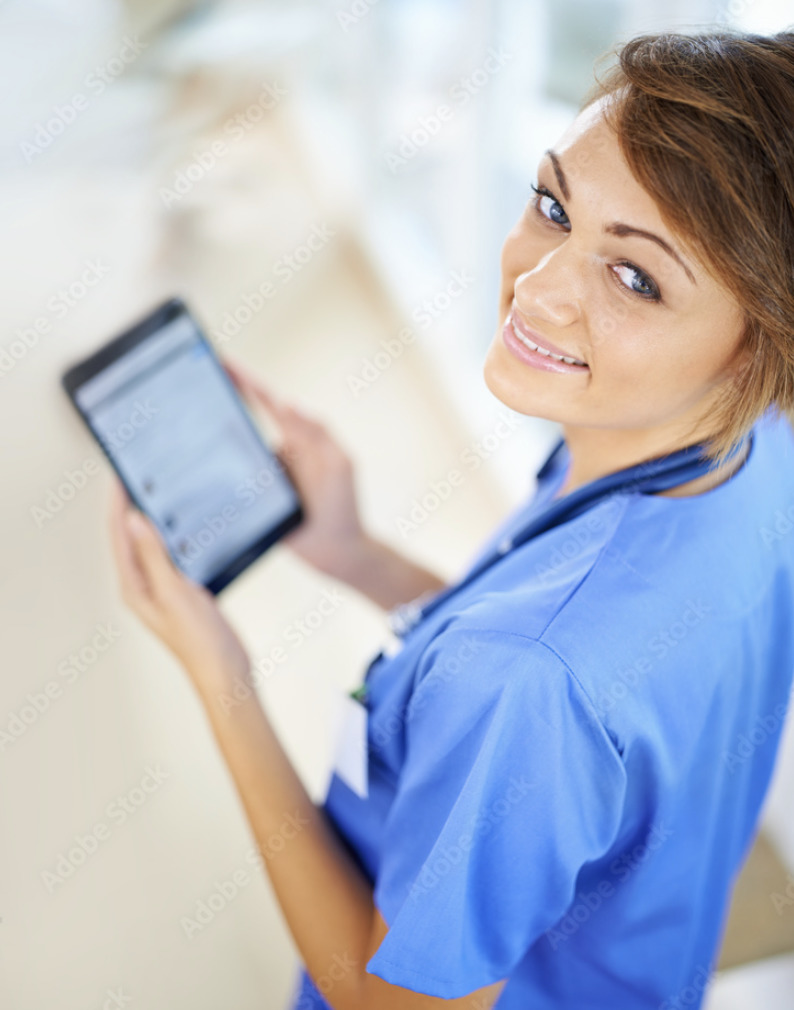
point(550, 291)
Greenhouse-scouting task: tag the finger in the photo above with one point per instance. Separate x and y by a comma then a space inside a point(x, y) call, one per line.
point(287, 457)
point(152, 554)
point(131, 577)
point(253, 388)
point(296, 427)
point(285, 412)
point(302, 424)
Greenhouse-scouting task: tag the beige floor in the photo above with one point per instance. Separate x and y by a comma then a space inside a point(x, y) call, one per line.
point(756, 929)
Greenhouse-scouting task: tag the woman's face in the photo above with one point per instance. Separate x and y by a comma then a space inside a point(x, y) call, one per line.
point(656, 332)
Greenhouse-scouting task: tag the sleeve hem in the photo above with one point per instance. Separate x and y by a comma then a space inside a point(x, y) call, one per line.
point(417, 981)
point(397, 973)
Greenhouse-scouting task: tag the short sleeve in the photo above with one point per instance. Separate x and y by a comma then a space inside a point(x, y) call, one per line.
point(510, 785)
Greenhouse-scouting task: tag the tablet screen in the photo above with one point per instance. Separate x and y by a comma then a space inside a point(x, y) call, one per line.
point(171, 421)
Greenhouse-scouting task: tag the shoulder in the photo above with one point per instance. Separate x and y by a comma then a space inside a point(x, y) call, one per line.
point(471, 674)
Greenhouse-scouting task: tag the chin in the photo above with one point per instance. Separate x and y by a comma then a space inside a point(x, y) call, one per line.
point(511, 389)
point(502, 383)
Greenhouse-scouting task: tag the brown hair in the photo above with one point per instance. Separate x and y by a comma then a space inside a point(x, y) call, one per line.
point(706, 125)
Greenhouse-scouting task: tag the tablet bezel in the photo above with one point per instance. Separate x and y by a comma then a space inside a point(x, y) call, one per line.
point(80, 372)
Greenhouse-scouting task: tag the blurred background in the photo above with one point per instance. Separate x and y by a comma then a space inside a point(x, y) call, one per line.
point(287, 168)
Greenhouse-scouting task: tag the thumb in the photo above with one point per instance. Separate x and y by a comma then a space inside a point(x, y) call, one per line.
point(152, 553)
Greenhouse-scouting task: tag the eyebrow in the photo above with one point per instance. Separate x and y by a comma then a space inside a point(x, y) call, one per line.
point(617, 227)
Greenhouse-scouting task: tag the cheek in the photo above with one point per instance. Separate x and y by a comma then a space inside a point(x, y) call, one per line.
point(618, 329)
point(629, 348)
point(650, 361)
point(627, 353)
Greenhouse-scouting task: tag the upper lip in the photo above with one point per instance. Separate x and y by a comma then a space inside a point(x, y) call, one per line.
point(536, 338)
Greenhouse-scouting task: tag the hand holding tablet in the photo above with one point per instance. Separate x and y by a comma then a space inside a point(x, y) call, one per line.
point(331, 536)
point(169, 419)
point(182, 613)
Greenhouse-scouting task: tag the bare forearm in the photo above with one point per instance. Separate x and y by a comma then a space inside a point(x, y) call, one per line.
point(326, 900)
point(384, 575)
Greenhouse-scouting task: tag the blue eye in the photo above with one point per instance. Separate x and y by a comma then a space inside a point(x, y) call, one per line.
point(543, 194)
point(646, 288)
point(649, 289)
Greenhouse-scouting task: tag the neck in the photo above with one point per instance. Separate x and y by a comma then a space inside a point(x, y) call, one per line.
point(596, 452)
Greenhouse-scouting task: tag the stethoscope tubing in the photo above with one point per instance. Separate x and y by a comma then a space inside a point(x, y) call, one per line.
point(649, 477)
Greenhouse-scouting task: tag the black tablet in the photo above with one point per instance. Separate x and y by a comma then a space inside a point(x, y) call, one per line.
point(174, 428)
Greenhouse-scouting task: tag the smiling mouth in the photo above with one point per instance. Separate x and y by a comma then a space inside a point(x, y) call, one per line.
point(541, 350)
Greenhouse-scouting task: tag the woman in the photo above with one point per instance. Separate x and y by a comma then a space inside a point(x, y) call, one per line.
point(559, 785)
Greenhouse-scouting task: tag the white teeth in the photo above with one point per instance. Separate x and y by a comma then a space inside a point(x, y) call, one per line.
point(541, 350)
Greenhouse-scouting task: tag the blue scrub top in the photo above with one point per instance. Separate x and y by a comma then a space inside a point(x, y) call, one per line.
point(567, 759)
